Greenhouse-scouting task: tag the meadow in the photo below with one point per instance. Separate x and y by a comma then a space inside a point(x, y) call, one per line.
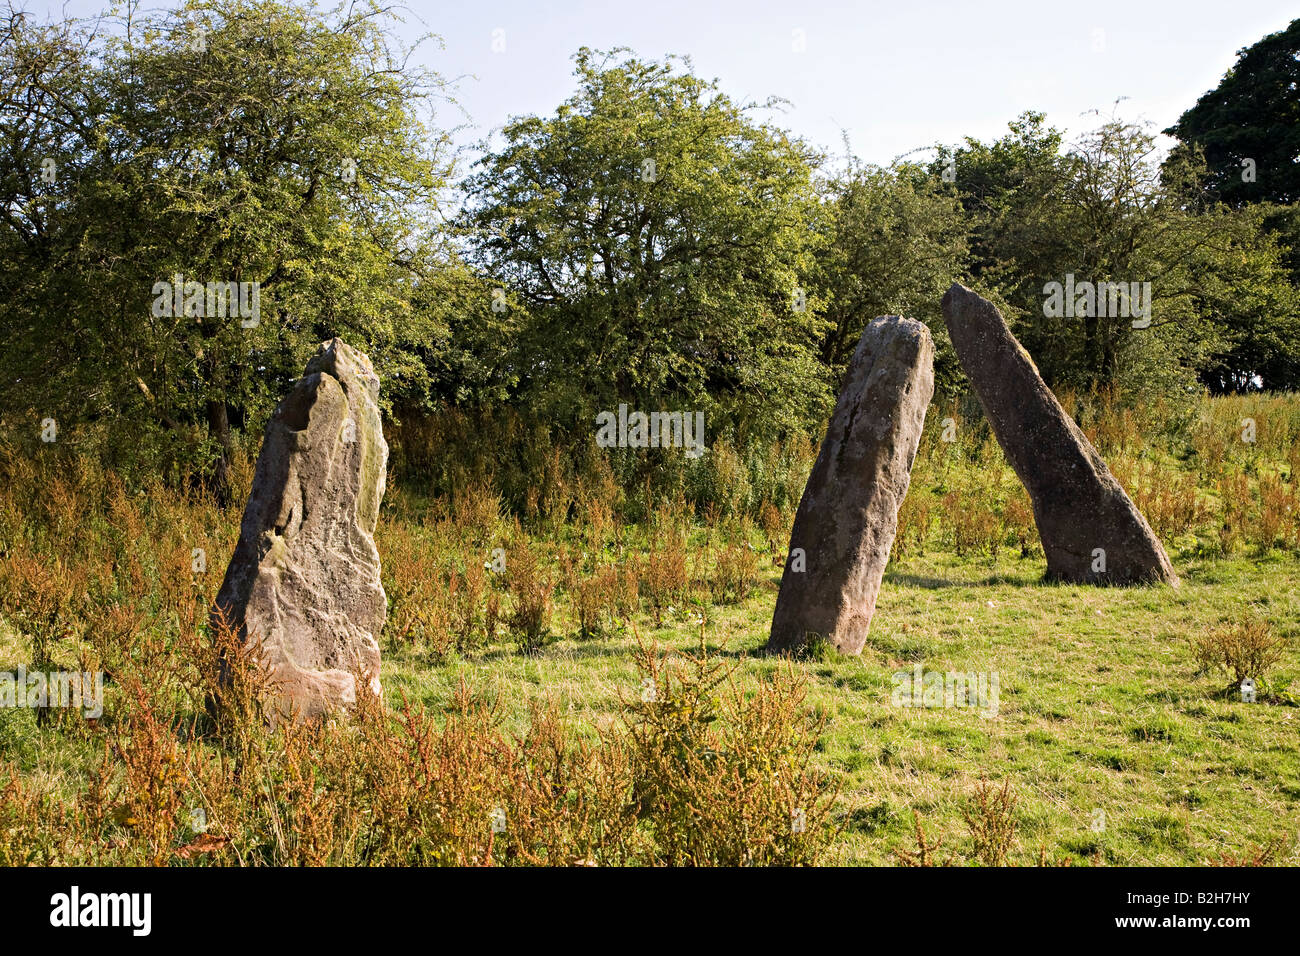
point(574, 669)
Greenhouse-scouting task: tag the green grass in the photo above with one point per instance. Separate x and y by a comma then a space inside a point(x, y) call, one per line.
point(1100, 707)
point(1102, 713)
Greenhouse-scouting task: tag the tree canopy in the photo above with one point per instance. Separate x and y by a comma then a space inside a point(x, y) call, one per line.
point(193, 198)
point(1248, 127)
point(659, 239)
point(257, 143)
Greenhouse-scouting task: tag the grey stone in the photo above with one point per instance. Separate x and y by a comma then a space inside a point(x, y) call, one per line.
point(848, 515)
point(303, 585)
point(1085, 519)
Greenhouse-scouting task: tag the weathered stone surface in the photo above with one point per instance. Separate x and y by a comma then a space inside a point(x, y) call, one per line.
point(1084, 516)
point(848, 515)
point(304, 581)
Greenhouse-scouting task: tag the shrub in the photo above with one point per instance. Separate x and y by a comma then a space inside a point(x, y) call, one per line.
point(1277, 509)
point(992, 822)
point(734, 574)
point(592, 599)
point(1245, 648)
point(913, 522)
point(532, 592)
point(664, 577)
point(975, 524)
point(926, 850)
point(773, 525)
point(466, 592)
point(1018, 515)
point(721, 778)
point(1234, 494)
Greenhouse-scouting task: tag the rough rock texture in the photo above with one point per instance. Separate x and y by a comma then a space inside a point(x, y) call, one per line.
point(848, 515)
point(304, 581)
point(1080, 508)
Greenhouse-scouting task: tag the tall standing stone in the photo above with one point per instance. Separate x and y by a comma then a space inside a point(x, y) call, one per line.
point(848, 515)
point(1090, 529)
point(303, 584)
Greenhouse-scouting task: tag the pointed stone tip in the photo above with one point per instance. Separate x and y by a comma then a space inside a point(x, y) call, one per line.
point(336, 358)
point(329, 352)
point(902, 321)
point(899, 325)
point(961, 300)
point(955, 290)
point(331, 349)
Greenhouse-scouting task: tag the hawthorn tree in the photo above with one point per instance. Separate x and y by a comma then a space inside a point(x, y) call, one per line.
point(252, 141)
point(1109, 208)
point(657, 240)
point(895, 239)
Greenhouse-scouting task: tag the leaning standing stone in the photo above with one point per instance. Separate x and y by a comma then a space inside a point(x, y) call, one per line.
point(1091, 531)
point(848, 515)
point(303, 584)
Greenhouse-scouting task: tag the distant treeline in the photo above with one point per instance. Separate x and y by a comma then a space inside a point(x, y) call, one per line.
point(654, 242)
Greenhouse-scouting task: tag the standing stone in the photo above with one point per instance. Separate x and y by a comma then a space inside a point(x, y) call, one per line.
point(1091, 531)
point(848, 515)
point(303, 584)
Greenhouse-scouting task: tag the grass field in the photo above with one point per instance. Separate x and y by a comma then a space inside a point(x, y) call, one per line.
point(1109, 743)
point(1101, 708)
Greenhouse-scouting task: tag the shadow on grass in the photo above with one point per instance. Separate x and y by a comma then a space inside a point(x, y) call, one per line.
point(571, 650)
point(932, 583)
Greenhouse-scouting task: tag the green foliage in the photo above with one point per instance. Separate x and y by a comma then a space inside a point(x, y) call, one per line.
point(721, 778)
point(1252, 115)
point(1246, 648)
point(1240, 142)
point(653, 241)
point(656, 237)
point(896, 239)
point(1101, 707)
point(1221, 301)
point(256, 141)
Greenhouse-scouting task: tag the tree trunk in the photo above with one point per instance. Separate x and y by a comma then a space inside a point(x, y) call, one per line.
point(219, 428)
point(1091, 350)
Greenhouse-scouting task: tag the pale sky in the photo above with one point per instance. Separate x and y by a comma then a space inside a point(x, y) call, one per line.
point(894, 75)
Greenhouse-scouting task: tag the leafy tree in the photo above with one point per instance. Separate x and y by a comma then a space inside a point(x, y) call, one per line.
point(255, 141)
point(1248, 127)
point(1108, 211)
point(1006, 189)
point(1244, 138)
point(895, 241)
point(657, 239)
